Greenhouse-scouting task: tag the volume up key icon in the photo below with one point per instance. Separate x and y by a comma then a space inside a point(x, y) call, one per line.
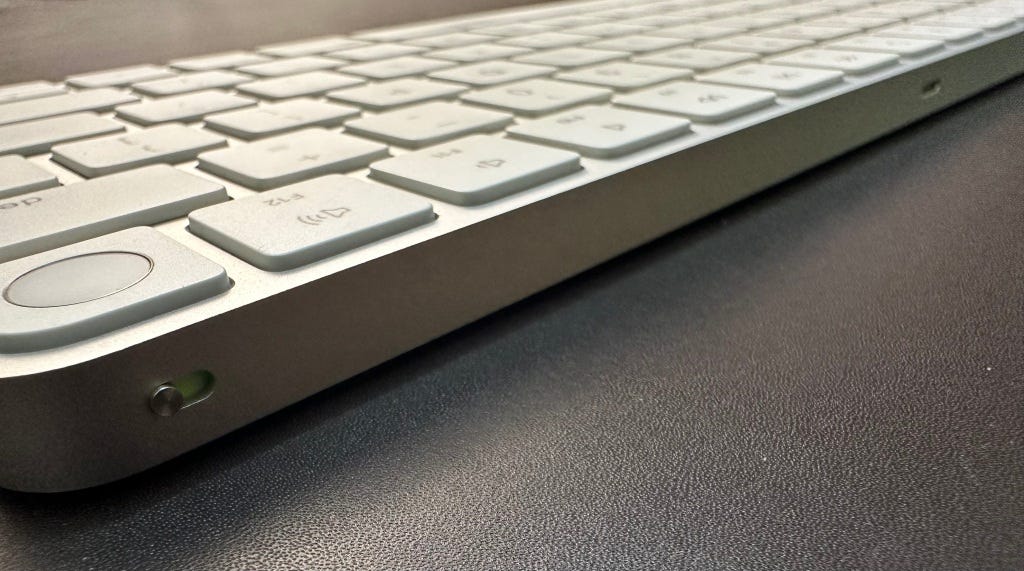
point(322, 216)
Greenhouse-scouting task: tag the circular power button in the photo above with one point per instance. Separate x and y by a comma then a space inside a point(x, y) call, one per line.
point(78, 279)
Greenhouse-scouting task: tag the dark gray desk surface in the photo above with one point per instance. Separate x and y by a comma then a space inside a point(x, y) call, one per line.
point(827, 376)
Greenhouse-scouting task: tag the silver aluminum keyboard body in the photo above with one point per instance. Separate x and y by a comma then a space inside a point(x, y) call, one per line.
point(79, 415)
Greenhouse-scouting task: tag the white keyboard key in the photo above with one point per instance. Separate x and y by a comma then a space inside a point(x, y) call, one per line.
point(397, 67)
point(941, 33)
point(103, 99)
point(223, 60)
point(276, 118)
point(781, 79)
point(757, 44)
point(663, 20)
point(536, 96)
point(762, 5)
point(163, 144)
point(843, 60)
point(492, 73)
point(858, 22)
point(189, 82)
point(808, 32)
point(47, 219)
point(29, 90)
point(547, 40)
point(608, 29)
point(996, 8)
point(747, 23)
point(301, 223)
point(845, 5)
point(407, 32)
point(119, 77)
point(908, 47)
point(638, 44)
point(802, 12)
point(33, 137)
point(698, 101)
point(710, 11)
point(388, 94)
point(377, 51)
point(18, 175)
point(958, 20)
point(286, 159)
point(479, 52)
point(290, 66)
point(695, 58)
point(693, 32)
point(604, 132)
point(899, 10)
point(182, 108)
point(571, 57)
point(476, 169)
point(312, 46)
point(428, 123)
point(513, 30)
point(307, 84)
point(570, 21)
point(624, 76)
point(643, 12)
point(628, 12)
point(452, 40)
point(83, 290)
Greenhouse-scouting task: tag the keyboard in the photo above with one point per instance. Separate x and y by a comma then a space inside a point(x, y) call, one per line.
point(204, 241)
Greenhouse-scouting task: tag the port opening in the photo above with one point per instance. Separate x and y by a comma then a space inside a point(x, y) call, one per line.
point(931, 88)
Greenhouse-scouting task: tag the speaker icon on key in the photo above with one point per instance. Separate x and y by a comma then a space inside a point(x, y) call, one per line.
point(322, 216)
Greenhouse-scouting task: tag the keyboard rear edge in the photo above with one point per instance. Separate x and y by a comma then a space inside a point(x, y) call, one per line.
point(90, 423)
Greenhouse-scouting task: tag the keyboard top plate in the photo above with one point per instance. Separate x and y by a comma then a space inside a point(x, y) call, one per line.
point(253, 284)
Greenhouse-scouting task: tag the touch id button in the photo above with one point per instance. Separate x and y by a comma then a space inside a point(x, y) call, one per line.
point(83, 290)
point(79, 279)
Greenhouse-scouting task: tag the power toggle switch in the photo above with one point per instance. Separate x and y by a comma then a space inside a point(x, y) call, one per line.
point(169, 398)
